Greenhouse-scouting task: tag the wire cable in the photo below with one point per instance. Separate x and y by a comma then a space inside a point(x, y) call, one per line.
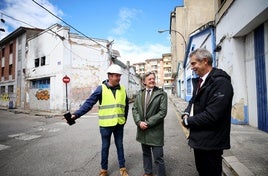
point(61, 37)
point(107, 47)
point(51, 31)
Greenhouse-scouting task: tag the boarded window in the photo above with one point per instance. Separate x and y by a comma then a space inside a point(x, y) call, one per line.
point(40, 83)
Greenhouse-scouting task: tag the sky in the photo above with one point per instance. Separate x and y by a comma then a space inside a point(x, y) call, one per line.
point(132, 24)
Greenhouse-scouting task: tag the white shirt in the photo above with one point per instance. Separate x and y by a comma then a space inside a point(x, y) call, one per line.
point(204, 78)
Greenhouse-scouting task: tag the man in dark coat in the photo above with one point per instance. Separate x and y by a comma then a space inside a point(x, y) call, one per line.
point(210, 120)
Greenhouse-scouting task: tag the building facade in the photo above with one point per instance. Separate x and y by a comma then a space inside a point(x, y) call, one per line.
point(242, 45)
point(56, 53)
point(168, 85)
point(162, 68)
point(55, 70)
point(239, 46)
point(13, 68)
point(183, 21)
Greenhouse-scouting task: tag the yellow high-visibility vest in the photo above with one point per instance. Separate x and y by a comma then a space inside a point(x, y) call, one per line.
point(112, 109)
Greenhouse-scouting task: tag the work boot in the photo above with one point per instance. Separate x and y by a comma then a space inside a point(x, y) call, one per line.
point(103, 172)
point(123, 171)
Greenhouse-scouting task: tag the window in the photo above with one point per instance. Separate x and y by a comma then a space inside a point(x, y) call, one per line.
point(11, 48)
point(3, 89)
point(40, 83)
point(10, 69)
point(43, 60)
point(36, 62)
point(40, 61)
point(10, 89)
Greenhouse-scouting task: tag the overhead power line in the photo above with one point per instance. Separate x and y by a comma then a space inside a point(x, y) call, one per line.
point(49, 30)
point(61, 37)
point(18, 20)
point(107, 47)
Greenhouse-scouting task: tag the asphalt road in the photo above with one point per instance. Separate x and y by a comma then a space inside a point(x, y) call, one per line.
point(35, 145)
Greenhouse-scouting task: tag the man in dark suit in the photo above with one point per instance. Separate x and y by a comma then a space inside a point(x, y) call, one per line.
point(210, 123)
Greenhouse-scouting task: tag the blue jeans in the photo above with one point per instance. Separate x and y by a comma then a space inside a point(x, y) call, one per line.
point(158, 156)
point(106, 133)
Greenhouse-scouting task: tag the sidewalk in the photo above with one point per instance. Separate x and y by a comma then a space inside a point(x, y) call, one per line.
point(249, 148)
point(35, 113)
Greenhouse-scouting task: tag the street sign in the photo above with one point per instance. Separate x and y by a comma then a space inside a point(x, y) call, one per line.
point(66, 79)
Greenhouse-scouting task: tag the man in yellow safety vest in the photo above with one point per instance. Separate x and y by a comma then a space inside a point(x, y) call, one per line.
point(113, 111)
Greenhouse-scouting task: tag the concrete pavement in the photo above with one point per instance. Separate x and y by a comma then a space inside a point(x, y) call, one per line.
point(248, 155)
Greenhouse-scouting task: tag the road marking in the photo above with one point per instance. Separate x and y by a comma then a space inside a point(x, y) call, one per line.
point(16, 135)
point(23, 136)
point(61, 123)
point(3, 147)
point(54, 130)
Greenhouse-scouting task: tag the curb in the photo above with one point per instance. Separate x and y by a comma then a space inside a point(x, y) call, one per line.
point(233, 167)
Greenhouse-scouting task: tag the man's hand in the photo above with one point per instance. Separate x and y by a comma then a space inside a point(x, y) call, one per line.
point(143, 125)
point(184, 116)
point(69, 118)
point(184, 121)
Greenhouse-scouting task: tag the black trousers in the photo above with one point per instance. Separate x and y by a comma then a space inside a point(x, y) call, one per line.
point(208, 162)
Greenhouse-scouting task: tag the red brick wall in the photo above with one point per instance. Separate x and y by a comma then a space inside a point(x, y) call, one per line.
point(6, 57)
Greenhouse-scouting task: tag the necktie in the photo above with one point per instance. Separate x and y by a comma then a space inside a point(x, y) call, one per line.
point(199, 84)
point(147, 99)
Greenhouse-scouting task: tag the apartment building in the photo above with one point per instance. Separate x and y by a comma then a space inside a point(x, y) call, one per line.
point(13, 69)
point(161, 67)
point(183, 21)
point(168, 81)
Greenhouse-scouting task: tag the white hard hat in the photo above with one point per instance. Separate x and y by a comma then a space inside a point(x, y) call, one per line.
point(114, 69)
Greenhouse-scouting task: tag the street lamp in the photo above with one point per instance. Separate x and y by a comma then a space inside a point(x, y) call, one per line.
point(161, 31)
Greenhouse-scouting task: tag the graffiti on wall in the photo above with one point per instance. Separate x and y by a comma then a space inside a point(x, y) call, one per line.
point(8, 99)
point(42, 95)
point(4, 97)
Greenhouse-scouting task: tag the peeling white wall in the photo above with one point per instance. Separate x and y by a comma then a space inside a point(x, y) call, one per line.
point(237, 54)
point(82, 60)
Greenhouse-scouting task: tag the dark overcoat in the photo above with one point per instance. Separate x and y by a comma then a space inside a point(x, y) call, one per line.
point(210, 124)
